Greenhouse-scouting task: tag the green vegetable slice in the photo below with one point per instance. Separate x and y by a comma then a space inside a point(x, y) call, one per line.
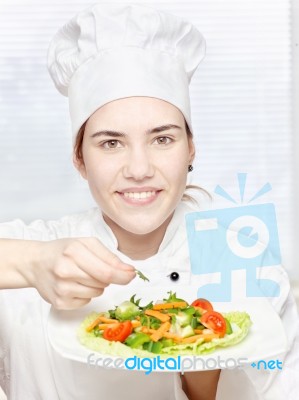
point(136, 340)
point(228, 327)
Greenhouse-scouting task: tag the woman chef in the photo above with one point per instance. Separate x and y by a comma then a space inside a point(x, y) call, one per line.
point(126, 70)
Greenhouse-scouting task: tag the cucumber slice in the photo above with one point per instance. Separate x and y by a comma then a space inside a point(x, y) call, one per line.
point(228, 327)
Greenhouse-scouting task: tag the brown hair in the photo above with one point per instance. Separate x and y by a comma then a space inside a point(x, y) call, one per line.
point(78, 143)
point(79, 158)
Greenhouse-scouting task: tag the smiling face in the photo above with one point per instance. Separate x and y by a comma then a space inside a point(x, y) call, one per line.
point(136, 154)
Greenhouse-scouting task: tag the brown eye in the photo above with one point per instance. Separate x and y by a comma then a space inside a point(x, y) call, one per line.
point(111, 144)
point(163, 140)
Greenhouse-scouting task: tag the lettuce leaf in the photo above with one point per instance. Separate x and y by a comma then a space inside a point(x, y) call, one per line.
point(240, 322)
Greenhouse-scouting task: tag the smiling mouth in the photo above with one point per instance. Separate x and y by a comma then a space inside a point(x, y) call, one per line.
point(139, 195)
point(144, 197)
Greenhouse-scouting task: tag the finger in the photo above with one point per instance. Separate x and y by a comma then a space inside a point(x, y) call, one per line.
point(91, 282)
point(100, 271)
point(69, 303)
point(101, 251)
point(68, 270)
point(97, 268)
point(69, 289)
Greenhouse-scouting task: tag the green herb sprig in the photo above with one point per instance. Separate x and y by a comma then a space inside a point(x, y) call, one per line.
point(141, 275)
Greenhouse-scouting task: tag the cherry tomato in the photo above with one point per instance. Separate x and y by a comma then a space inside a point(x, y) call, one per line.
point(203, 303)
point(118, 332)
point(215, 321)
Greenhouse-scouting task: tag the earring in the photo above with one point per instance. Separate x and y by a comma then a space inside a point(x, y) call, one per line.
point(190, 168)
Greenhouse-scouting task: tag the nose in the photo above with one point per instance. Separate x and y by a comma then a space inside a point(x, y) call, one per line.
point(138, 165)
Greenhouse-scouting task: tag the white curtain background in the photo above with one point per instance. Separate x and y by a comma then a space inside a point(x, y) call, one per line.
point(242, 109)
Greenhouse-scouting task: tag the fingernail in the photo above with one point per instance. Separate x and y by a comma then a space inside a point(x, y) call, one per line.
point(128, 267)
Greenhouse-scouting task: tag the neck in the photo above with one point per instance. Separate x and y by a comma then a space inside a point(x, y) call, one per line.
point(138, 247)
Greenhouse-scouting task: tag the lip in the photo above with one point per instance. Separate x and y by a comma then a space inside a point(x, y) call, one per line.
point(142, 201)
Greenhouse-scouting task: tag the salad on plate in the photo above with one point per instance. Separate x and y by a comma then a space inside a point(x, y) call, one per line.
point(169, 327)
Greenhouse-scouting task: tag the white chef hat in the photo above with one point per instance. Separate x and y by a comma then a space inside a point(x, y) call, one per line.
point(112, 51)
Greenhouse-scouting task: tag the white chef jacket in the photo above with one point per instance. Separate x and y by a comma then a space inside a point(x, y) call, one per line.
point(31, 369)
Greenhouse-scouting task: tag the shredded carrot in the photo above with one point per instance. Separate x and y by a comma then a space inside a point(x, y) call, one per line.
point(93, 324)
point(192, 339)
point(173, 336)
point(159, 332)
point(158, 315)
point(198, 330)
point(144, 329)
point(104, 326)
point(100, 319)
point(108, 320)
point(165, 306)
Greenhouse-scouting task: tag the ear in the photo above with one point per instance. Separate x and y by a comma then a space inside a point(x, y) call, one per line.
point(191, 150)
point(80, 166)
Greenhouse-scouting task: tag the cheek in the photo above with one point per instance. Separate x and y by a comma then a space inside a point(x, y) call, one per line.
point(175, 177)
point(175, 167)
point(179, 177)
point(100, 175)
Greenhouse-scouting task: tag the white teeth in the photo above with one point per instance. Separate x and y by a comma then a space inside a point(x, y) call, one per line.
point(139, 195)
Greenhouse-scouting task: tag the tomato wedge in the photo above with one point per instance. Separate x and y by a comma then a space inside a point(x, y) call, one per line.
point(202, 303)
point(118, 332)
point(215, 321)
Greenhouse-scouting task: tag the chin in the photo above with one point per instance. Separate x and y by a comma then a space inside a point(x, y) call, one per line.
point(140, 230)
point(145, 226)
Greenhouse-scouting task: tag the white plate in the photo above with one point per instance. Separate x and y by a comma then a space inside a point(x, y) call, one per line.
point(266, 338)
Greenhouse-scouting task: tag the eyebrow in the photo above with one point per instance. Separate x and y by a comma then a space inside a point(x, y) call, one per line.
point(113, 133)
